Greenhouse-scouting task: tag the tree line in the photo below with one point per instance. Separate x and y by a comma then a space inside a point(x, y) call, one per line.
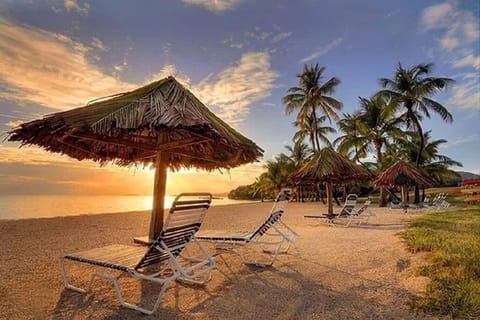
point(386, 126)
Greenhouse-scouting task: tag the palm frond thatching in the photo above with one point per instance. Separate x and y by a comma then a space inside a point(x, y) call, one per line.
point(403, 173)
point(327, 165)
point(131, 127)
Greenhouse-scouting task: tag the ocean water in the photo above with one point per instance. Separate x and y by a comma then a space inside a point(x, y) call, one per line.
point(41, 206)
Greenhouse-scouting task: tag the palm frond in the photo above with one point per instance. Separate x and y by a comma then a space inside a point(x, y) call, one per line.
point(439, 109)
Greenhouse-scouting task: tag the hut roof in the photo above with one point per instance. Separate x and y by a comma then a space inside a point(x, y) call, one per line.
point(129, 128)
point(330, 166)
point(404, 173)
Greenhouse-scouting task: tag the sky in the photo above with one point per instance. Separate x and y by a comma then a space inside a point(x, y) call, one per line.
point(238, 56)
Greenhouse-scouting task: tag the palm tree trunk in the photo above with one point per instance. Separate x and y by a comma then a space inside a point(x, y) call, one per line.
point(315, 128)
point(420, 151)
point(383, 196)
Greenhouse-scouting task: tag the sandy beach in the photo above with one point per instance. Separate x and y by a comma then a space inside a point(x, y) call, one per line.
point(333, 273)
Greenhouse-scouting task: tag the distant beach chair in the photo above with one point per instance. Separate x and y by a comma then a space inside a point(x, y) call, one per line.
point(165, 260)
point(348, 206)
point(274, 236)
point(363, 214)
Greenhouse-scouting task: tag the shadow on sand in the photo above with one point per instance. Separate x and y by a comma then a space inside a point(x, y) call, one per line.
point(284, 291)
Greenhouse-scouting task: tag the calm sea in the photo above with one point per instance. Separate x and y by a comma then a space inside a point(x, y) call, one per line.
point(37, 206)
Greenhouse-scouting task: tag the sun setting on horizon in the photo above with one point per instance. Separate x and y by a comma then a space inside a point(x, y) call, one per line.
point(46, 173)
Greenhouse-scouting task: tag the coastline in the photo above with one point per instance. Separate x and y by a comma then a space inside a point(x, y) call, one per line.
point(21, 207)
point(335, 272)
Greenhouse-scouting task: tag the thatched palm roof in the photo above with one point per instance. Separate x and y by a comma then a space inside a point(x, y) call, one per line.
point(403, 173)
point(330, 166)
point(131, 127)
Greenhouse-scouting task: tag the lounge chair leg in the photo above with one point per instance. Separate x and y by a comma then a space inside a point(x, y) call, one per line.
point(125, 304)
point(206, 266)
point(65, 278)
point(273, 254)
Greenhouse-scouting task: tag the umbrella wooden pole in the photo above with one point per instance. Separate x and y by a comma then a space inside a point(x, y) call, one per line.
point(404, 195)
point(329, 198)
point(159, 185)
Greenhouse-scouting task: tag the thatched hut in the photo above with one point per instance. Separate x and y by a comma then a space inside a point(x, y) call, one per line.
point(329, 167)
point(404, 174)
point(161, 123)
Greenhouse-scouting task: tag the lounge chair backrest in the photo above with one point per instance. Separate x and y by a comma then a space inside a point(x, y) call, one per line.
point(282, 200)
point(184, 220)
point(351, 199)
point(350, 203)
point(272, 219)
point(347, 209)
point(364, 207)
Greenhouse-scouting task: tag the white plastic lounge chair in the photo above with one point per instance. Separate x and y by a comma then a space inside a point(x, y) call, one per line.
point(280, 204)
point(346, 210)
point(165, 260)
point(363, 214)
point(273, 235)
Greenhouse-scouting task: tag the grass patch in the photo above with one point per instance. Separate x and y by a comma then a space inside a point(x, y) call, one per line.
point(453, 238)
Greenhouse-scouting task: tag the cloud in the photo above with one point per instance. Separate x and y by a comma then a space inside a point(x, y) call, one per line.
point(97, 43)
point(170, 70)
point(38, 156)
point(466, 95)
point(236, 45)
point(49, 69)
point(435, 15)
point(468, 61)
point(53, 70)
point(259, 34)
point(216, 6)
point(234, 90)
point(323, 50)
point(462, 140)
point(121, 66)
point(458, 30)
point(14, 123)
point(281, 36)
point(262, 35)
point(73, 5)
point(458, 27)
point(31, 170)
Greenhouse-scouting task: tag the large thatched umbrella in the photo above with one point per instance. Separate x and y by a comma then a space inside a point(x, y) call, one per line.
point(329, 167)
point(404, 174)
point(161, 123)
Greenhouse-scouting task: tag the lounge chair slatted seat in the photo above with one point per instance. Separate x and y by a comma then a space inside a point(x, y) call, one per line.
point(280, 235)
point(119, 257)
point(184, 220)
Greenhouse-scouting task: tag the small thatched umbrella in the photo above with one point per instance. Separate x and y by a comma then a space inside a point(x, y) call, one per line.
point(330, 167)
point(404, 174)
point(161, 123)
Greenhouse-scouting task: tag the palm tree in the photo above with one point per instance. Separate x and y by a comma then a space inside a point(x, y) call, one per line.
point(308, 129)
point(377, 123)
point(414, 87)
point(350, 143)
point(311, 94)
point(299, 154)
point(437, 165)
point(263, 185)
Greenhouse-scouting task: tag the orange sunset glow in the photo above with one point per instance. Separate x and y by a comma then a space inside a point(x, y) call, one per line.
point(47, 173)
